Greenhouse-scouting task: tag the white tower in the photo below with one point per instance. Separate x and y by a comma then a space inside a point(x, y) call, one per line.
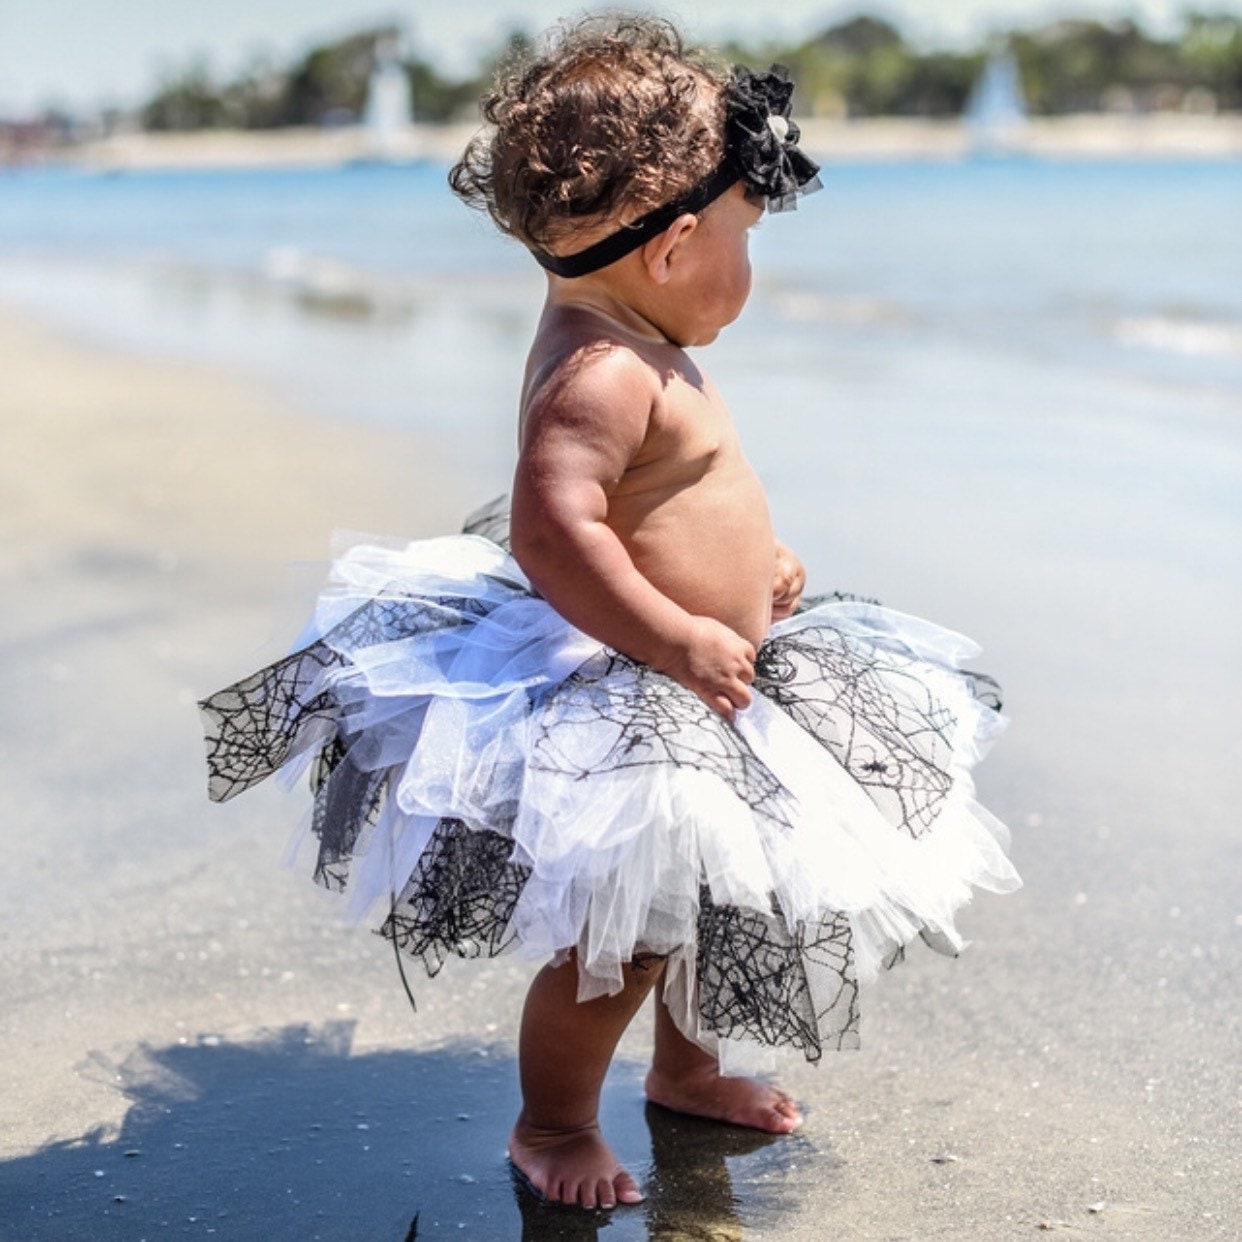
point(996, 111)
point(389, 112)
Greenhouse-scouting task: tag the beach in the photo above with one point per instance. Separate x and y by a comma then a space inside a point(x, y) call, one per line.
point(1079, 136)
point(194, 1043)
point(154, 516)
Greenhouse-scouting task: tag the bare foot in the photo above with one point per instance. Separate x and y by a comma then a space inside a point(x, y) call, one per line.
point(704, 1092)
point(575, 1167)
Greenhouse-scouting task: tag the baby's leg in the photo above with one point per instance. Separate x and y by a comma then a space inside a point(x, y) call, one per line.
point(686, 1079)
point(564, 1052)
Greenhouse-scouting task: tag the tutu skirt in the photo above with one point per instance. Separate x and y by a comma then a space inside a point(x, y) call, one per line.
point(488, 778)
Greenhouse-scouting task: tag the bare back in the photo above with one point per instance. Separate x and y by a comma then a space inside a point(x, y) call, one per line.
point(679, 494)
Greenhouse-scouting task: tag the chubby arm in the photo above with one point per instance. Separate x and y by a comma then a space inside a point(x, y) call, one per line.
point(582, 430)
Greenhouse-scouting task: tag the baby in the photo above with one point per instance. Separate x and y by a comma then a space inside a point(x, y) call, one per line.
point(622, 745)
point(624, 163)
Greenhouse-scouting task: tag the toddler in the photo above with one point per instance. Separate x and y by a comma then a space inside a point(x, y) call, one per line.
point(608, 732)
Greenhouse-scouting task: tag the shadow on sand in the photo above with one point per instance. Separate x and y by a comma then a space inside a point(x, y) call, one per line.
point(295, 1136)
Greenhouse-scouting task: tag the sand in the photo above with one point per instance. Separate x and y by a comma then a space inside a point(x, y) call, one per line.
point(192, 1044)
point(1108, 136)
point(154, 517)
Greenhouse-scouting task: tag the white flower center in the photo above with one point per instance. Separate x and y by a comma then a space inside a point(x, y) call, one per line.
point(779, 126)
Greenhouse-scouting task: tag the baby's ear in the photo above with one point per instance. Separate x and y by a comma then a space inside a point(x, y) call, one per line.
point(660, 253)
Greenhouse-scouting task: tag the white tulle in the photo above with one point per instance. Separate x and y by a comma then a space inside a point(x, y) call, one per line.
point(617, 861)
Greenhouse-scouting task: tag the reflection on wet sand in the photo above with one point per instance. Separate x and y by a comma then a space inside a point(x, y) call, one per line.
point(296, 1135)
point(690, 1192)
point(691, 1195)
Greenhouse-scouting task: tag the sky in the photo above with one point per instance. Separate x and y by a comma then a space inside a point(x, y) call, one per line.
point(83, 54)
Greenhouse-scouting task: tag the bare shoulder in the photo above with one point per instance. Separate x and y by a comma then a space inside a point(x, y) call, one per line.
point(588, 384)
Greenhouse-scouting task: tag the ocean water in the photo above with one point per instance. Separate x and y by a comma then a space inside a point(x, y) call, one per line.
point(949, 373)
point(1006, 396)
point(1128, 268)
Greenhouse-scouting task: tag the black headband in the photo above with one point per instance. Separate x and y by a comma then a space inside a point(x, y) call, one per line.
point(761, 149)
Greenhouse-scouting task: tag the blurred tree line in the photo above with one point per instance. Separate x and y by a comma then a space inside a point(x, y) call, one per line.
point(859, 67)
point(328, 86)
point(864, 67)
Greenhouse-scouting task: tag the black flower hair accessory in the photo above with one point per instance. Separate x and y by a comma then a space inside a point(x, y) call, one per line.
point(761, 149)
point(761, 141)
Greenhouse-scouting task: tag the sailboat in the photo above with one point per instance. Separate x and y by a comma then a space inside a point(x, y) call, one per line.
point(996, 115)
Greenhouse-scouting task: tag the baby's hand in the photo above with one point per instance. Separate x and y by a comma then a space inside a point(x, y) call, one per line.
point(717, 664)
point(787, 583)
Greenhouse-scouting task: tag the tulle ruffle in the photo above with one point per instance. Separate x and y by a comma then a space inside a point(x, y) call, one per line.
point(488, 778)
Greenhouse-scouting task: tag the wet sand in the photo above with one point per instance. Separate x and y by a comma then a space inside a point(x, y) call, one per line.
point(193, 1044)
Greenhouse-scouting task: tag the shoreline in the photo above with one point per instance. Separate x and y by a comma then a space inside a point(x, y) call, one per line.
point(196, 1036)
point(1086, 136)
point(180, 464)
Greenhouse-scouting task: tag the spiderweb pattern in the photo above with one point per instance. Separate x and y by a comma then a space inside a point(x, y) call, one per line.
point(614, 713)
point(460, 898)
point(985, 689)
point(255, 726)
point(757, 979)
point(864, 700)
point(348, 800)
point(871, 709)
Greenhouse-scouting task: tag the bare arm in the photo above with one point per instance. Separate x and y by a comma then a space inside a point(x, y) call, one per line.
point(580, 436)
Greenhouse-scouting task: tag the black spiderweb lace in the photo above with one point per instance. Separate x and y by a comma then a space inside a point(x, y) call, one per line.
point(872, 710)
point(758, 980)
point(862, 698)
point(645, 719)
point(460, 899)
point(254, 727)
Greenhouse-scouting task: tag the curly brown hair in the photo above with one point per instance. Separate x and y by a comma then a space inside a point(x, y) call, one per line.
point(614, 116)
